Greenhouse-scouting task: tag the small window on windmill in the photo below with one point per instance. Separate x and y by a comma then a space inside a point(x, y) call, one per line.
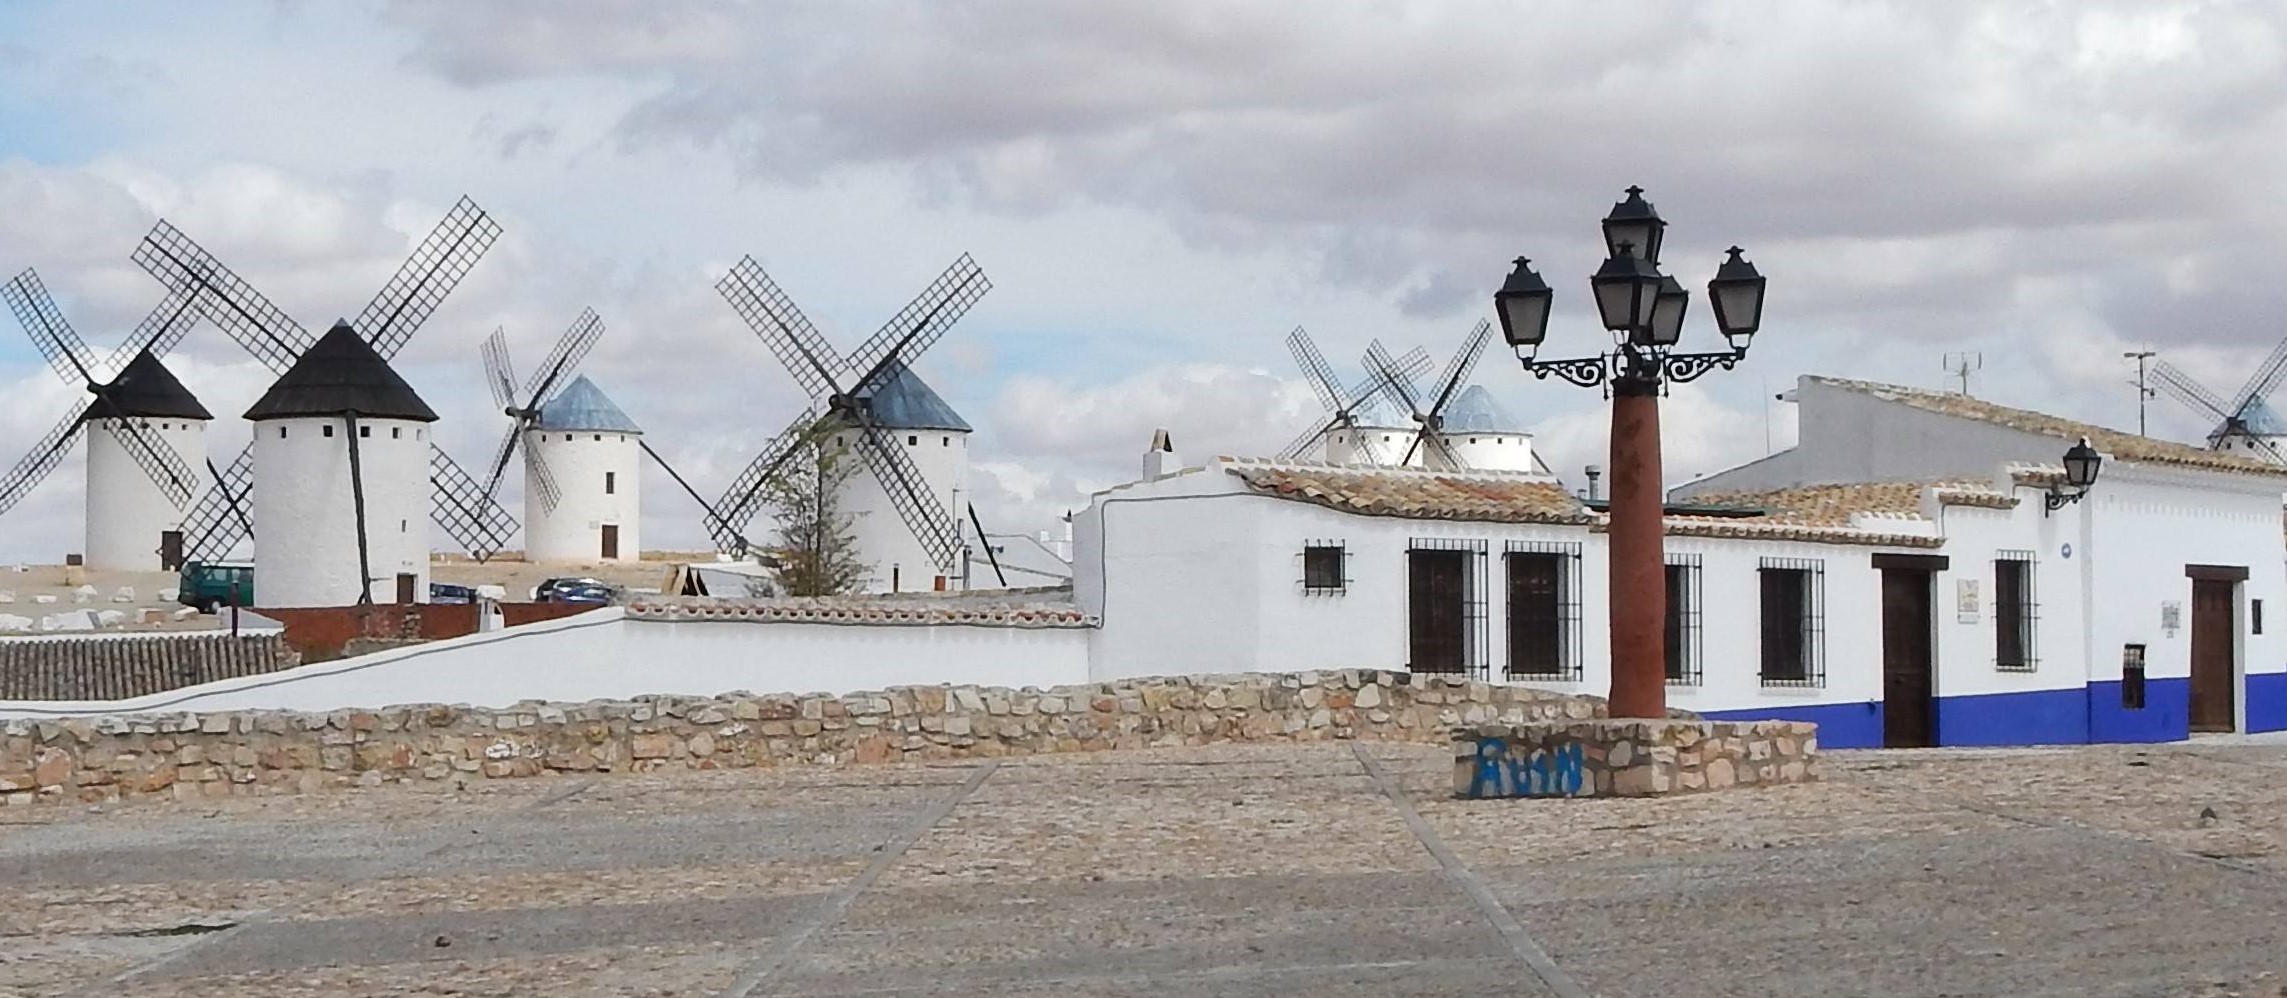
point(329, 429)
point(400, 526)
point(396, 433)
point(913, 440)
point(1323, 564)
point(365, 431)
point(281, 433)
point(599, 438)
point(945, 441)
point(611, 481)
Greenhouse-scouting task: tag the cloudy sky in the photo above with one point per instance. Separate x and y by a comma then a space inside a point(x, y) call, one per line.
point(1159, 192)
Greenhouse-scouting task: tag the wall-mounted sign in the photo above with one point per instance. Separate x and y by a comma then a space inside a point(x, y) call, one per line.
point(2171, 617)
point(1966, 601)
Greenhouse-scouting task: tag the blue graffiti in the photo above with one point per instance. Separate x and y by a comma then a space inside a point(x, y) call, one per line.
point(1554, 772)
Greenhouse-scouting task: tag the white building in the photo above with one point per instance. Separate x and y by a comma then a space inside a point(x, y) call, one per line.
point(337, 432)
point(132, 524)
point(1897, 578)
point(594, 452)
point(936, 439)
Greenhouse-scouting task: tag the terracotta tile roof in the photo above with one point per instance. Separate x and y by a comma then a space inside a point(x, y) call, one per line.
point(2123, 446)
point(911, 612)
point(1487, 496)
point(1880, 513)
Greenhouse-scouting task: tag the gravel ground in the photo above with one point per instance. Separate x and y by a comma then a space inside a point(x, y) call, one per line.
point(1320, 869)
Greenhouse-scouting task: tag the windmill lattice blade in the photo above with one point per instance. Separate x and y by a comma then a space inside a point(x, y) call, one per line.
point(2265, 380)
point(223, 297)
point(422, 282)
point(458, 504)
point(917, 326)
point(570, 349)
point(1409, 368)
point(2177, 385)
point(2270, 451)
point(59, 344)
point(160, 330)
point(1464, 361)
point(1401, 388)
point(500, 456)
point(1311, 436)
point(499, 371)
point(36, 463)
point(541, 479)
point(789, 334)
point(743, 498)
point(221, 519)
point(1315, 369)
point(157, 458)
point(927, 518)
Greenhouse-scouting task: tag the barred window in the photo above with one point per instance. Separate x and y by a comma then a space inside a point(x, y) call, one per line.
point(1794, 622)
point(1544, 610)
point(1683, 620)
point(1324, 567)
point(2015, 611)
point(1445, 606)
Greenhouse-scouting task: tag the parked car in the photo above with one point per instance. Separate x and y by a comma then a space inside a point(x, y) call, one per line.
point(445, 592)
point(209, 586)
point(574, 590)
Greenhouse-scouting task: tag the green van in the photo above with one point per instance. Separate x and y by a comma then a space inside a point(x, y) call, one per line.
point(217, 585)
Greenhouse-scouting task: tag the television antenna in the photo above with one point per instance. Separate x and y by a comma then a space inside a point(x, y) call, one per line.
point(1962, 364)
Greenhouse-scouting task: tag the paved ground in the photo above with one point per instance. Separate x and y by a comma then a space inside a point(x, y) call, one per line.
point(1318, 870)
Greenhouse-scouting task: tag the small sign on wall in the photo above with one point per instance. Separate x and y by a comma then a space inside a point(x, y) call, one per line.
point(2171, 617)
point(1966, 601)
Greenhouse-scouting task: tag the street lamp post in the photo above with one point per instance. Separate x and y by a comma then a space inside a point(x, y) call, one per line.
point(1644, 310)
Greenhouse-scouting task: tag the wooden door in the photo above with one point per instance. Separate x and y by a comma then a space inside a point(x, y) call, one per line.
point(611, 541)
point(170, 550)
point(1437, 630)
point(405, 582)
point(2214, 652)
point(1909, 717)
point(1536, 614)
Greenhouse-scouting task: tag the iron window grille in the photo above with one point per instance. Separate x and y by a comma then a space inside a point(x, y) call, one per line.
point(1683, 653)
point(1794, 622)
point(1472, 657)
point(1325, 567)
point(2016, 612)
point(1544, 609)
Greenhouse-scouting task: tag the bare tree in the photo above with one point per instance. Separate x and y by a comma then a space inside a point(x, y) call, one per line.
point(816, 545)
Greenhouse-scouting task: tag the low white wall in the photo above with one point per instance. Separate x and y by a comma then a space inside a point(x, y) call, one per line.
point(602, 655)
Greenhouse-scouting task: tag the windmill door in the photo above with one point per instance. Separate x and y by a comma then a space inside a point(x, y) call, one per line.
point(611, 541)
point(2214, 651)
point(405, 582)
point(170, 550)
point(1436, 621)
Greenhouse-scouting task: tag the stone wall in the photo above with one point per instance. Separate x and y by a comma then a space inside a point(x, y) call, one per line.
point(252, 752)
point(1630, 758)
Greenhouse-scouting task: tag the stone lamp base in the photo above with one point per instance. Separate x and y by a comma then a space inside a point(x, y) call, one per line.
point(1622, 757)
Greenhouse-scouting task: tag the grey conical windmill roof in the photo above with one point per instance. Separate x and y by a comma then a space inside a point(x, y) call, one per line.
point(582, 406)
point(145, 389)
point(1475, 410)
point(338, 375)
point(900, 400)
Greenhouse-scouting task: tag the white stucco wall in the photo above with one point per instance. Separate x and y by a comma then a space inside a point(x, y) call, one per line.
point(126, 510)
point(898, 560)
point(305, 529)
point(1849, 436)
point(602, 655)
point(572, 533)
point(1493, 451)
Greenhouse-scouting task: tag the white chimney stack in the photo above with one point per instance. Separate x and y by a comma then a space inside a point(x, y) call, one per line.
point(1159, 461)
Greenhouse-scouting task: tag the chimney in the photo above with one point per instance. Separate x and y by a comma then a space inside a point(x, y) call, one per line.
point(1593, 472)
point(1159, 461)
point(1064, 543)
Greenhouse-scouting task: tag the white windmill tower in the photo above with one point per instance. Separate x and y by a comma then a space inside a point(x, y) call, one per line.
point(1432, 441)
point(351, 477)
point(915, 448)
point(146, 433)
point(2245, 425)
point(1359, 429)
point(1481, 433)
point(582, 454)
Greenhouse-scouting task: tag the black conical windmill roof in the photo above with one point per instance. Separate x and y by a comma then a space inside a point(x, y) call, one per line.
point(338, 375)
point(145, 389)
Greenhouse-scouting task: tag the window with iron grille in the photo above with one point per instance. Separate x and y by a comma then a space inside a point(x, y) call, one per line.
point(2015, 612)
point(1544, 609)
point(1683, 620)
point(1445, 606)
point(1324, 567)
point(1794, 622)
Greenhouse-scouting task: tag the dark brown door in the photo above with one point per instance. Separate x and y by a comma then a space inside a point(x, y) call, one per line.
point(1436, 627)
point(611, 540)
point(1536, 621)
point(1908, 717)
point(405, 581)
point(2214, 648)
point(170, 550)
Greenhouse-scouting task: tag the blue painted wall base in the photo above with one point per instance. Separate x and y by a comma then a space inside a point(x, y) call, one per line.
point(2035, 717)
point(2267, 701)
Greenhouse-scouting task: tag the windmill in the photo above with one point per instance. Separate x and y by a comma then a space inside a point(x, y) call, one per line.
point(130, 514)
point(1344, 406)
point(500, 376)
point(871, 398)
point(1428, 408)
point(2244, 425)
point(219, 522)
